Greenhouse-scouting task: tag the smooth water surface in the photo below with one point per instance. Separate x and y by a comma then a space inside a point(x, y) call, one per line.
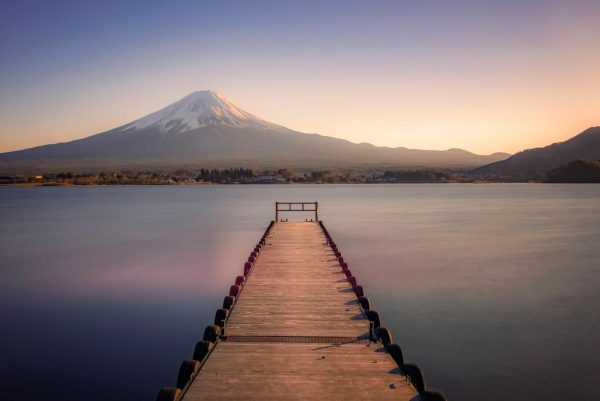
point(491, 289)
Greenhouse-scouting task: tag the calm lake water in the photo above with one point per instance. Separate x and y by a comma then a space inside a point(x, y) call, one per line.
point(492, 289)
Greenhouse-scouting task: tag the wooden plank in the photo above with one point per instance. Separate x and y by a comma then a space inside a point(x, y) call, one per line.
point(297, 290)
point(269, 372)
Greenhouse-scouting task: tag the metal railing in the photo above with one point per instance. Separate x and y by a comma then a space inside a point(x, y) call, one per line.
point(297, 207)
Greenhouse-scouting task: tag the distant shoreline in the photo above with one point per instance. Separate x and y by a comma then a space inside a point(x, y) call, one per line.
point(575, 172)
point(37, 185)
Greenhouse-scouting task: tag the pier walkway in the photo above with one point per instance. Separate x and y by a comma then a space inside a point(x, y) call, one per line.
point(293, 328)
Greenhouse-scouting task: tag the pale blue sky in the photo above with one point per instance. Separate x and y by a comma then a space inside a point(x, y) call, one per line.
point(482, 75)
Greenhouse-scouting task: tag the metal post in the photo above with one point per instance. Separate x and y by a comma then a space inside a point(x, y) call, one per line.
point(316, 211)
point(276, 211)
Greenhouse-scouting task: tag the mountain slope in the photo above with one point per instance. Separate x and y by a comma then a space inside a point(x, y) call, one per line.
point(578, 171)
point(206, 129)
point(535, 163)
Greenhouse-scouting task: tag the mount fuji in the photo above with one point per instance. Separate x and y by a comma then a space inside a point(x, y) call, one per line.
point(204, 129)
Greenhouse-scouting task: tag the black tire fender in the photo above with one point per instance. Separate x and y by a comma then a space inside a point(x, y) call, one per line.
point(211, 333)
point(228, 302)
point(247, 267)
point(201, 349)
point(396, 353)
point(373, 316)
point(384, 334)
point(414, 373)
point(234, 290)
point(169, 394)
point(220, 316)
point(364, 303)
point(187, 371)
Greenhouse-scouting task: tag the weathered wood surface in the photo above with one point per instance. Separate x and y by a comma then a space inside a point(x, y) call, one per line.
point(296, 288)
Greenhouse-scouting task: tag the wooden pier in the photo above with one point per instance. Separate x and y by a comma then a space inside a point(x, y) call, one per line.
point(296, 326)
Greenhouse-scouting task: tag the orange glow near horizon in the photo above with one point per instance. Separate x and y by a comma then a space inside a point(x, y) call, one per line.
point(482, 77)
point(479, 122)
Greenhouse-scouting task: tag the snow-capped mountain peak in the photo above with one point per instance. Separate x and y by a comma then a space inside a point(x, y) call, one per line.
point(196, 110)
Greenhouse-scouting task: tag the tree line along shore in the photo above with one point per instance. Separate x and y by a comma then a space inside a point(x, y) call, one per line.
point(232, 176)
point(576, 171)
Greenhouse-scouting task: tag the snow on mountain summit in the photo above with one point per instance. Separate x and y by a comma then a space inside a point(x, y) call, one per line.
point(196, 110)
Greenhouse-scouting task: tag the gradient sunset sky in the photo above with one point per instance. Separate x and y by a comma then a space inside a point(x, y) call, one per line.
point(481, 75)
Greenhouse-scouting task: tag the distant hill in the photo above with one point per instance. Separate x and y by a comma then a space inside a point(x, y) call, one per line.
point(533, 164)
point(204, 129)
point(576, 171)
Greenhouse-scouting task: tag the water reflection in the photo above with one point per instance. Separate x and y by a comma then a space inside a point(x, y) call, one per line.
point(490, 288)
